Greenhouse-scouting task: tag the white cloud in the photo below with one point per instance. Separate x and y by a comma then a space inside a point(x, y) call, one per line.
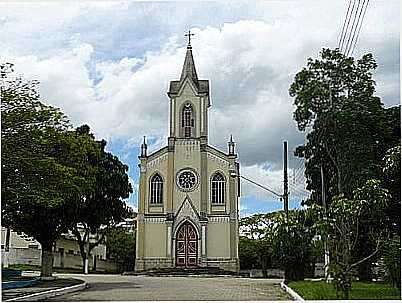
point(250, 62)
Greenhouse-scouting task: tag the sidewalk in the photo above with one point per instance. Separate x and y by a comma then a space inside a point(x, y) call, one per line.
point(42, 286)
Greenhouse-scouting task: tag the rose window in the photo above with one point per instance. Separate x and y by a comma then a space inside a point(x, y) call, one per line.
point(187, 180)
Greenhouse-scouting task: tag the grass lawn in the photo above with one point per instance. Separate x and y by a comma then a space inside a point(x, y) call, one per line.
point(320, 290)
point(24, 267)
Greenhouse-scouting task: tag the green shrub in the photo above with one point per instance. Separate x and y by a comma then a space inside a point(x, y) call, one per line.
point(392, 261)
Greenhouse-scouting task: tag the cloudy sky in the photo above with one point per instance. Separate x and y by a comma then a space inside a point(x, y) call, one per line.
point(108, 64)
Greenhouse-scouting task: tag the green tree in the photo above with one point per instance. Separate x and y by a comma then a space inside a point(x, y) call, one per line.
point(392, 178)
point(293, 243)
point(344, 226)
point(392, 261)
point(349, 130)
point(259, 230)
point(248, 254)
point(101, 206)
point(120, 246)
point(347, 124)
point(43, 166)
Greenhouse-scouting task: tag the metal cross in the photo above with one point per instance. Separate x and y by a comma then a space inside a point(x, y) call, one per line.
point(189, 37)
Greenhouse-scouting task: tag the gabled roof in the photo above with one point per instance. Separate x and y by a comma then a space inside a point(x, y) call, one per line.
point(189, 72)
point(203, 86)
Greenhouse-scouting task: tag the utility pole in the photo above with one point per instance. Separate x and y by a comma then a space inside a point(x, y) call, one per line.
point(324, 204)
point(285, 179)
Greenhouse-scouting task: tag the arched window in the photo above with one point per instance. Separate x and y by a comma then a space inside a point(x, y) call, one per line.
point(156, 189)
point(187, 120)
point(218, 189)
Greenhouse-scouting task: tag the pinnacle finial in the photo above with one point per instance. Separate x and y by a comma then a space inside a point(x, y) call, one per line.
point(144, 148)
point(231, 146)
point(189, 34)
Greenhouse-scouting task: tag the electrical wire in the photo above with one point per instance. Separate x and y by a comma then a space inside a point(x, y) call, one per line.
point(353, 25)
point(360, 27)
point(347, 26)
point(344, 23)
point(355, 28)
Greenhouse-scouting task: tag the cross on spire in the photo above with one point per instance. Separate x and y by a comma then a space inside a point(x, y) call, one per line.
point(189, 34)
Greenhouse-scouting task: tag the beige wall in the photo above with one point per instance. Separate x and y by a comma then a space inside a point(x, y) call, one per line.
point(156, 165)
point(187, 155)
point(18, 239)
point(155, 240)
point(218, 240)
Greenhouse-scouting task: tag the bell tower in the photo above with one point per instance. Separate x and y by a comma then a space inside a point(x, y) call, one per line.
point(189, 102)
point(188, 197)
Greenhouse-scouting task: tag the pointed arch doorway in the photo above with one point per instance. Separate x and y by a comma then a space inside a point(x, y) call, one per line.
point(186, 246)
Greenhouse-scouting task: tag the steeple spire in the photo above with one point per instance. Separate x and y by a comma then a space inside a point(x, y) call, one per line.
point(189, 66)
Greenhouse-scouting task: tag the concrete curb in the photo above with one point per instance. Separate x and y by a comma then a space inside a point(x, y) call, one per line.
point(291, 292)
point(49, 293)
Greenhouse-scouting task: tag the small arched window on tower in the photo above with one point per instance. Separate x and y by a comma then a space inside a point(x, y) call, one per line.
point(156, 189)
point(187, 120)
point(218, 187)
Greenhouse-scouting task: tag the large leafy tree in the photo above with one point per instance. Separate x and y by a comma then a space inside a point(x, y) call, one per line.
point(120, 245)
point(348, 128)
point(102, 206)
point(43, 166)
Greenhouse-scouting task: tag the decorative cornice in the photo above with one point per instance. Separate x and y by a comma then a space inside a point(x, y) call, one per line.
point(157, 153)
point(156, 220)
point(157, 161)
point(220, 219)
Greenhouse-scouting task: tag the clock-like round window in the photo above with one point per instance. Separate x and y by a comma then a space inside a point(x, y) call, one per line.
point(187, 179)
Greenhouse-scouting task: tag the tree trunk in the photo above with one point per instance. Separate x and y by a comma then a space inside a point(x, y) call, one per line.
point(85, 262)
point(263, 267)
point(47, 262)
point(346, 294)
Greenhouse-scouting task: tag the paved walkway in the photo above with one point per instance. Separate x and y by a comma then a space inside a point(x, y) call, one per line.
point(143, 288)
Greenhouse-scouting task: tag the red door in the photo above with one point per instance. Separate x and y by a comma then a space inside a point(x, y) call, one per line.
point(186, 246)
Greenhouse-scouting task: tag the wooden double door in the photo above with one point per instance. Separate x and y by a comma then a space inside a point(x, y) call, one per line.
point(186, 246)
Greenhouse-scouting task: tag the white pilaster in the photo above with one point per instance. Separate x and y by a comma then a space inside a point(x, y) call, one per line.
point(169, 241)
point(203, 240)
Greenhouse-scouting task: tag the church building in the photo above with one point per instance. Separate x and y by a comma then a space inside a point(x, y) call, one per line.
point(188, 198)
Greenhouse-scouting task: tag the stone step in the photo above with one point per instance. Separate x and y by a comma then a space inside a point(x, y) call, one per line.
point(159, 272)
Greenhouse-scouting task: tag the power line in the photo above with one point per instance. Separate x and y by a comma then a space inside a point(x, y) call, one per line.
point(355, 28)
point(343, 27)
point(360, 27)
point(299, 169)
point(259, 185)
point(299, 175)
point(300, 189)
point(353, 25)
point(347, 26)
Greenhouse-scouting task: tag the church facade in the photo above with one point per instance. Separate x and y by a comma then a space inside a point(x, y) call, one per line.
point(188, 191)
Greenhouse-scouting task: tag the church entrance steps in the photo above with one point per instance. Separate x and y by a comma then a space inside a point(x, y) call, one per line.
point(183, 272)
